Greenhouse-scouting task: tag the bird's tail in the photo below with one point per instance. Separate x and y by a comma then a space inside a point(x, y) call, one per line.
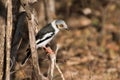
point(26, 57)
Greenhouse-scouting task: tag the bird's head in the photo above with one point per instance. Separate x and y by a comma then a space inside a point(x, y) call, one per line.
point(61, 25)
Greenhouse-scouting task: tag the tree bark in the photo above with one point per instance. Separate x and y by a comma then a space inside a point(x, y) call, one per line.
point(2, 37)
point(39, 75)
point(8, 38)
point(2, 41)
point(49, 10)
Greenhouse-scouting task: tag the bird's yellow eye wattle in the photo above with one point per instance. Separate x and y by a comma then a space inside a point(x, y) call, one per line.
point(61, 25)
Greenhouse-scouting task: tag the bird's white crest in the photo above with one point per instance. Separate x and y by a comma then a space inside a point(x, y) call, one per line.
point(55, 27)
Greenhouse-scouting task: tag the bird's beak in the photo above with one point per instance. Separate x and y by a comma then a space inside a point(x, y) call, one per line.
point(67, 29)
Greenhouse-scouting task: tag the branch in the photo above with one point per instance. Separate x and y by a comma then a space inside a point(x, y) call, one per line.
point(38, 73)
point(56, 65)
point(26, 6)
point(53, 64)
point(8, 37)
point(29, 11)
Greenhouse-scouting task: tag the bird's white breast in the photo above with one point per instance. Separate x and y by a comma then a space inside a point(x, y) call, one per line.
point(44, 43)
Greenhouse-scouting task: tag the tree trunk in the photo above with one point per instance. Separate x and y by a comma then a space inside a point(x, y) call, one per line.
point(2, 41)
point(2, 37)
point(8, 38)
point(33, 49)
point(49, 10)
point(38, 74)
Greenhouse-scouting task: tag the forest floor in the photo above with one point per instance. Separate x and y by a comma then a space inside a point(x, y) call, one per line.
point(91, 49)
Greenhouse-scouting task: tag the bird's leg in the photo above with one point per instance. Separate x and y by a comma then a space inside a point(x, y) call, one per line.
point(49, 50)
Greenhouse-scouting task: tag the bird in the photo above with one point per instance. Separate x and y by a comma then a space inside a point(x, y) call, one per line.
point(48, 33)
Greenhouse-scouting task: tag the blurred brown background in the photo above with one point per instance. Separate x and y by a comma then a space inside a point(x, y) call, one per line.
point(89, 51)
point(92, 47)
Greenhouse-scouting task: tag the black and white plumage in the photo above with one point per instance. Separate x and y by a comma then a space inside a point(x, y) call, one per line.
point(47, 33)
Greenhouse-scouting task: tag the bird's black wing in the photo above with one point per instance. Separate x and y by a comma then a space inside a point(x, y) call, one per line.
point(44, 34)
point(47, 29)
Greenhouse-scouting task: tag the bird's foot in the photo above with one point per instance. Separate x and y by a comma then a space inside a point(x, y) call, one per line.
point(49, 50)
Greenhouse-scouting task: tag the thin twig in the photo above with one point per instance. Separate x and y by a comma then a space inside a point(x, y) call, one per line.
point(62, 76)
point(53, 64)
point(21, 39)
point(22, 67)
point(56, 65)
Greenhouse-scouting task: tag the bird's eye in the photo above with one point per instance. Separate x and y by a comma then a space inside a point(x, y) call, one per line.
point(61, 25)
